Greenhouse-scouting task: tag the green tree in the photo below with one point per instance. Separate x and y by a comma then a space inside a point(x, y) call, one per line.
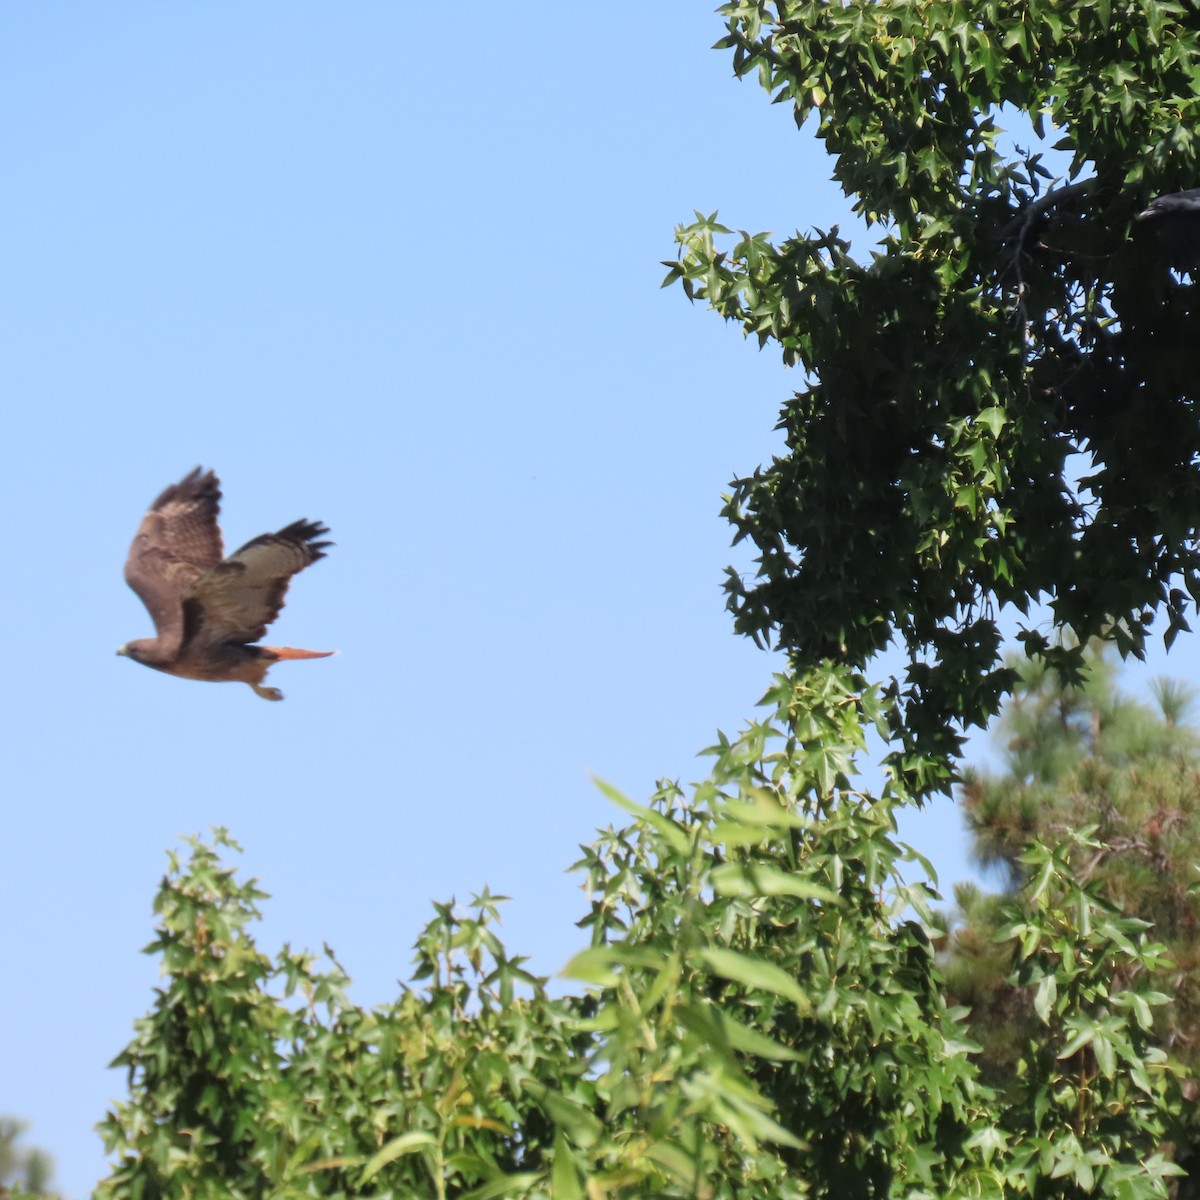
point(1073, 758)
point(983, 423)
point(762, 1018)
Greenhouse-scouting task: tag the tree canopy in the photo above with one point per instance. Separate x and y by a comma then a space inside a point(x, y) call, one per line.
point(998, 409)
point(761, 1017)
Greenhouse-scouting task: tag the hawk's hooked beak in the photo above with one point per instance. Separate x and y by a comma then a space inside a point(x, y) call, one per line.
point(123, 651)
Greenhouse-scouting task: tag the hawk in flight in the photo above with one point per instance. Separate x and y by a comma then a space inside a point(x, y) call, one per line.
point(208, 609)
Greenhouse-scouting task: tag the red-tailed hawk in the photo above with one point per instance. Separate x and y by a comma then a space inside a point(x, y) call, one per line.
point(208, 609)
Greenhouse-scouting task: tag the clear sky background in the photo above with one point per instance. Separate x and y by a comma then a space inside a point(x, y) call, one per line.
point(397, 271)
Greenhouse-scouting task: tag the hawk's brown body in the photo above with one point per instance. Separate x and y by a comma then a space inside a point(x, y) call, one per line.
point(207, 609)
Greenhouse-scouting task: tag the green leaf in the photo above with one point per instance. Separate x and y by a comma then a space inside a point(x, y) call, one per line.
point(1044, 997)
point(719, 1027)
point(406, 1143)
point(600, 964)
point(993, 419)
point(756, 973)
point(583, 1126)
point(503, 1185)
point(762, 879)
point(564, 1179)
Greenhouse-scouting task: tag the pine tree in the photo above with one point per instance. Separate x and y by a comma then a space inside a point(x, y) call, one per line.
point(1083, 757)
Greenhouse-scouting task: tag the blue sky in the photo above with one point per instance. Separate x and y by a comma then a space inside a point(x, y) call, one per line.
point(400, 275)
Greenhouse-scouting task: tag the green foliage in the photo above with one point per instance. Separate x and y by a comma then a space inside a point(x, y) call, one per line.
point(1094, 1095)
point(253, 1077)
point(999, 402)
point(760, 1016)
point(1077, 757)
point(772, 927)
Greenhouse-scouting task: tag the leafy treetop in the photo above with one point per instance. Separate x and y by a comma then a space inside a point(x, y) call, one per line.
point(999, 404)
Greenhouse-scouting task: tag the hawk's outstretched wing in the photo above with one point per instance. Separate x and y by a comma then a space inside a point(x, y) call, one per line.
point(176, 543)
point(235, 600)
